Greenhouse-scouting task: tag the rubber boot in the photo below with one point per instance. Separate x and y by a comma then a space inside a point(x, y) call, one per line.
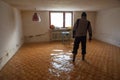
point(74, 56)
point(83, 57)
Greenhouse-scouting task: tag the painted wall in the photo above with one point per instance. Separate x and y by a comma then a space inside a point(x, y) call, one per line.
point(11, 37)
point(35, 31)
point(39, 31)
point(108, 26)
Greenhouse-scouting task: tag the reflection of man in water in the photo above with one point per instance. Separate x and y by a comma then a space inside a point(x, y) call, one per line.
point(80, 33)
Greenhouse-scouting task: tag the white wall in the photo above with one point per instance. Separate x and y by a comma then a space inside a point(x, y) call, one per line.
point(10, 32)
point(32, 29)
point(36, 31)
point(108, 26)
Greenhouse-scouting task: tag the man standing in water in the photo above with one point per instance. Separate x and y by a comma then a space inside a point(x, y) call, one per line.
point(80, 29)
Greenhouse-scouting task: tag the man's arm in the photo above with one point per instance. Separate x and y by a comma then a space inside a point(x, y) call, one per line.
point(75, 27)
point(90, 30)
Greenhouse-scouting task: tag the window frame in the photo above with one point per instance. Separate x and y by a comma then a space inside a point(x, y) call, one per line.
point(63, 17)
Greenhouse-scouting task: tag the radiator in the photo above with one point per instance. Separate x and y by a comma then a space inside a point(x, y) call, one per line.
point(60, 35)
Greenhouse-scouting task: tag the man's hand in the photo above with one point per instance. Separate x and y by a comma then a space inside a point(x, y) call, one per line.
point(90, 39)
point(73, 36)
point(73, 33)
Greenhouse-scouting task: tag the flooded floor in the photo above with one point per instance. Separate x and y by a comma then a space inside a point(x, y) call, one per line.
point(53, 61)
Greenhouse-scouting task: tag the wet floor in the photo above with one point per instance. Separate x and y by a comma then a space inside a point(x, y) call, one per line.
point(53, 61)
point(61, 64)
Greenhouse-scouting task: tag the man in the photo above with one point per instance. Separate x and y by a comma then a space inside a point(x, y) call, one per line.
point(80, 29)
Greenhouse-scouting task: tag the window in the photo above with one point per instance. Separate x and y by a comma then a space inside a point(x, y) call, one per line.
point(61, 19)
point(68, 19)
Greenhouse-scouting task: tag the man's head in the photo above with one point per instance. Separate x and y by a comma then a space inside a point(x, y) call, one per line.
point(83, 15)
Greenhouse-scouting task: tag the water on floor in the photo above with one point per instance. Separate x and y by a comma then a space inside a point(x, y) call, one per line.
point(53, 61)
point(61, 64)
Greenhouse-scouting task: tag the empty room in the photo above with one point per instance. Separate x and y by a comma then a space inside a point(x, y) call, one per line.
point(59, 39)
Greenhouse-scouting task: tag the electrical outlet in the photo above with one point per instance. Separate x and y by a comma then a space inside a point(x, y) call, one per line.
point(118, 43)
point(7, 54)
point(22, 39)
point(17, 45)
point(0, 60)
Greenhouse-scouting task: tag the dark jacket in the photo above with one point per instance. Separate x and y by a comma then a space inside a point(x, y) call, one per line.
point(81, 27)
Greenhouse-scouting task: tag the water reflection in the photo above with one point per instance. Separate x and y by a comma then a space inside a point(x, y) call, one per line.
point(61, 63)
point(57, 50)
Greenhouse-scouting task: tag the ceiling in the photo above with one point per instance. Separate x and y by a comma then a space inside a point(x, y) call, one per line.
point(64, 5)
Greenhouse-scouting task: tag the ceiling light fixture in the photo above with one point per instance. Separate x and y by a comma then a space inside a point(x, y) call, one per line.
point(36, 17)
